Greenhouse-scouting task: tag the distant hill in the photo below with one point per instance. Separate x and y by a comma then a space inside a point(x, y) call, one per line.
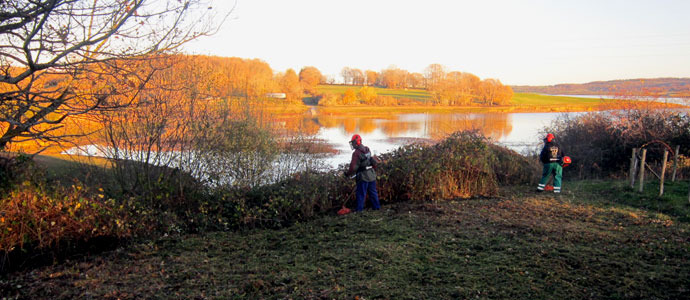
point(667, 87)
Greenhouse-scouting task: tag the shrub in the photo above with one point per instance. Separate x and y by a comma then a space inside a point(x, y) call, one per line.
point(35, 218)
point(512, 168)
point(600, 143)
point(14, 168)
point(464, 165)
point(329, 100)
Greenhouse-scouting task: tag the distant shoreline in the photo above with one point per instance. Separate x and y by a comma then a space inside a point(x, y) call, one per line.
point(613, 105)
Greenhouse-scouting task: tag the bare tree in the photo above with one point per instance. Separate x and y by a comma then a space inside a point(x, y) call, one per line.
point(348, 77)
point(62, 58)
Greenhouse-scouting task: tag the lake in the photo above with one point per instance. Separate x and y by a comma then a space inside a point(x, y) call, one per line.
point(383, 132)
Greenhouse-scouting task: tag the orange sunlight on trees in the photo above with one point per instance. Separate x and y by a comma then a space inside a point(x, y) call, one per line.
point(310, 77)
point(290, 85)
point(65, 58)
point(446, 88)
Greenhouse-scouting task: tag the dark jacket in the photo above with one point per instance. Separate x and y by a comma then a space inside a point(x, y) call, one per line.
point(551, 152)
point(363, 164)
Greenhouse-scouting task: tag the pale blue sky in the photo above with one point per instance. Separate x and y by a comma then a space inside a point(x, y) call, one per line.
point(518, 42)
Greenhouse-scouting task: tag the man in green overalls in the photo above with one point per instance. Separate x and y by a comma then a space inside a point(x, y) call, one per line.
point(551, 156)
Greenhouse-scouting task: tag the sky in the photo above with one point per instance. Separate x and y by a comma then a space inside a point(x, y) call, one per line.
point(518, 42)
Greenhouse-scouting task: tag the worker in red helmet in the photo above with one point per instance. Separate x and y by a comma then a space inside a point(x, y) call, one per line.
point(363, 166)
point(551, 156)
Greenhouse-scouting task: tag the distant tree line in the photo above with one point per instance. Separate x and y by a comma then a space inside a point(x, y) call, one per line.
point(446, 88)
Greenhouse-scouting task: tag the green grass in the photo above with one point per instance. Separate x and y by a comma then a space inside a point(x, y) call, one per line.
point(583, 244)
point(519, 99)
point(538, 100)
point(414, 94)
point(674, 202)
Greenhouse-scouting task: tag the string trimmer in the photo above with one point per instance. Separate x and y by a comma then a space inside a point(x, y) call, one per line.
point(344, 210)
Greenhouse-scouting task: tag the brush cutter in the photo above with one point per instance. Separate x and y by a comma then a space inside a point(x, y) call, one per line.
point(344, 210)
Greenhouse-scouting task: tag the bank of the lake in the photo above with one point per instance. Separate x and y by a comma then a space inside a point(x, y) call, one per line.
point(520, 102)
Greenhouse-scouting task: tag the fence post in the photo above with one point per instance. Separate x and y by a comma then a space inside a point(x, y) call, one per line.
point(633, 165)
point(663, 173)
point(642, 161)
point(675, 163)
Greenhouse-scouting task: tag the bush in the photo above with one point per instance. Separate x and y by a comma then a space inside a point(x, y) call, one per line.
point(329, 100)
point(512, 168)
point(36, 219)
point(600, 143)
point(14, 168)
point(464, 165)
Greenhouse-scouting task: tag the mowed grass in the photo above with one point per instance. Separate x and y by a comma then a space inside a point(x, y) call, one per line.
point(580, 245)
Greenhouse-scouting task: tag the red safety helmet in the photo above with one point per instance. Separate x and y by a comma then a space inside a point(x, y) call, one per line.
point(550, 137)
point(355, 141)
point(566, 161)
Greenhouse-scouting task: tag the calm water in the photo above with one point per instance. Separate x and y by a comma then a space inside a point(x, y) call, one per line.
point(385, 132)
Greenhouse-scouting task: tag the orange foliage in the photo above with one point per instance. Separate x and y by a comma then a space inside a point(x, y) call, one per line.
point(367, 95)
point(310, 77)
point(349, 98)
point(290, 85)
point(31, 215)
point(446, 88)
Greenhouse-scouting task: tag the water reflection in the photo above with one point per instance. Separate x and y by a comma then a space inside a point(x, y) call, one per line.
point(383, 132)
point(419, 125)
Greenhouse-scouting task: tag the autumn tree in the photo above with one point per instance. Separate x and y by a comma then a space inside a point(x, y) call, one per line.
point(415, 81)
point(310, 77)
point(367, 95)
point(63, 58)
point(289, 84)
point(493, 92)
point(372, 77)
point(241, 78)
point(350, 97)
point(434, 73)
point(358, 77)
point(466, 86)
point(258, 79)
point(393, 77)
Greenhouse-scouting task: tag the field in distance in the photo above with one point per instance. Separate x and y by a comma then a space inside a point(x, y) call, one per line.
point(520, 102)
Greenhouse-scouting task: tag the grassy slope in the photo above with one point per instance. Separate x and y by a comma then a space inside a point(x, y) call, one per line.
point(416, 94)
point(583, 244)
point(521, 102)
point(537, 99)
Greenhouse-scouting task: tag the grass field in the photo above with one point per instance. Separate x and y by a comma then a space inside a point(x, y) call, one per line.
point(415, 94)
point(587, 243)
point(537, 99)
point(521, 102)
point(423, 95)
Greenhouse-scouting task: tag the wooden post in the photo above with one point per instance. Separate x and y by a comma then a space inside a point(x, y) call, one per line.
point(633, 165)
point(675, 163)
point(642, 161)
point(663, 173)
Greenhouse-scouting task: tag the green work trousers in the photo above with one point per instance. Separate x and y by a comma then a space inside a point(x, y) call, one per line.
point(557, 171)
